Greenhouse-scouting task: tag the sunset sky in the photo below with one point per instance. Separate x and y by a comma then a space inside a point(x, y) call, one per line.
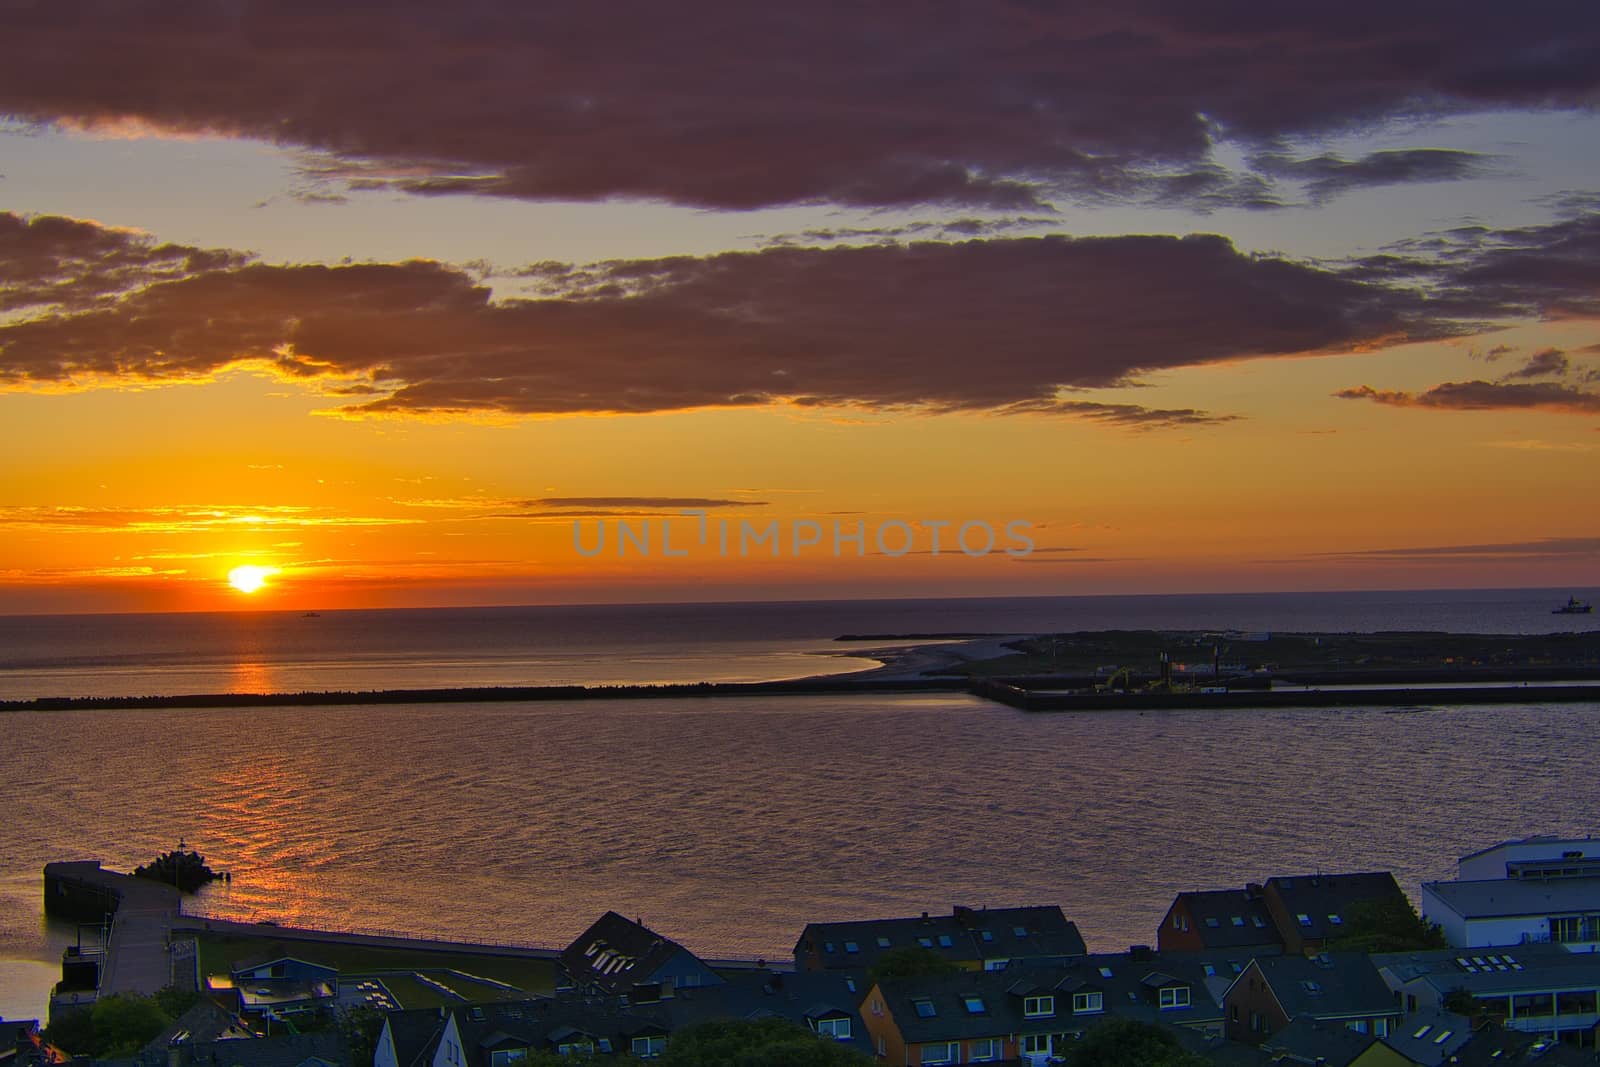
point(382, 298)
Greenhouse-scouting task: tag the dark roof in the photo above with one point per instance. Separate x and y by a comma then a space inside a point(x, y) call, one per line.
point(256, 962)
point(1496, 1047)
point(1325, 899)
point(1501, 897)
point(1491, 972)
point(966, 934)
point(415, 1033)
point(801, 998)
point(1328, 986)
point(280, 1050)
point(1129, 986)
point(1305, 1040)
point(615, 954)
point(205, 1021)
point(548, 1021)
point(1229, 918)
point(1429, 1038)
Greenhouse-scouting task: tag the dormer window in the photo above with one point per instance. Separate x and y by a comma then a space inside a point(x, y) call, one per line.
point(1175, 996)
point(1088, 1003)
point(838, 1029)
point(1038, 1007)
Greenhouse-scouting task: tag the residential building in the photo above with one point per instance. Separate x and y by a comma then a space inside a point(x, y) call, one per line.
point(1539, 989)
point(1532, 857)
point(1538, 889)
point(1030, 1012)
point(284, 985)
point(1516, 911)
point(972, 938)
point(1323, 1044)
point(617, 956)
point(1337, 987)
point(409, 1038)
point(1232, 919)
point(1430, 1038)
point(1312, 910)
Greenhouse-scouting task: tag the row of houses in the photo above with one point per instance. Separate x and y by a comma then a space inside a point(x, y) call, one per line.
point(1248, 975)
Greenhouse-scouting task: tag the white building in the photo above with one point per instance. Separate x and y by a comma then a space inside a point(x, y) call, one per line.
point(1538, 890)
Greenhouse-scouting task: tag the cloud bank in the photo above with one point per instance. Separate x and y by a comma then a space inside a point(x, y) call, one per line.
point(735, 105)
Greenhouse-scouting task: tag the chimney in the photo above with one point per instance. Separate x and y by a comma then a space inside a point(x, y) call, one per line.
point(924, 916)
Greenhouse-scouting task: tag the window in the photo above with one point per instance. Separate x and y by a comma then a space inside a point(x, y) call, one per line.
point(988, 935)
point(925, 942)
point(1105, 972)
point(1211, 921)
point(851, 946)
point(1381, 1027)
point(1259, 921)
point(1303, 919)
point(944, 940)
point(975, 1005)
point(648, 1048)
point(883, 1046)
point(850, 984)
point(576, 1048)
point(984, 1050)
point(1444, 1035)
point(1036, 1043)
point(1175, 996)
point(997, 964)
point(827, 946)
point(1358, 1025)
point(925, 1008)
point(1334, 919)
point(1210, 969)
point(605, 1046)
point(883, 942)
point(1020, 931)
point(1238, 920)
point(839, 1029)
point(877, 1006)
point(1235, 966)
point(1034, 1007)
point(944, 1052)
point(1088, 1003)
point(506, 1056)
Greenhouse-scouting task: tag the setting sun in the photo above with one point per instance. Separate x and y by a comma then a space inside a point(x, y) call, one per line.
point(250, 578)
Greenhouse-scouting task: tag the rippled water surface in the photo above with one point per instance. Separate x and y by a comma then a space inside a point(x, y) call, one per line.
point(730, 823)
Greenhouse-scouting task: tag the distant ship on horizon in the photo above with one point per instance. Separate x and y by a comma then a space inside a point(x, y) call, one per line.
point(1574, 606)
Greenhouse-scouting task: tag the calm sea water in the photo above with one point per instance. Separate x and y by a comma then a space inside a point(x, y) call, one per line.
point(119, 655)
point(731, 823)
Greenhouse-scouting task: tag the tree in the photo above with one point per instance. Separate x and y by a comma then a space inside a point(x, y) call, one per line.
point(1387, 926)
point(72, 1031)
point(124, 1023)
point(361, 1027)
point(173, 1001)
point(1130, 1043)
point(756, 1043)
point(913, 961)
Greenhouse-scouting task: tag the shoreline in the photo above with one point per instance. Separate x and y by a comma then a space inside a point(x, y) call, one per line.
point(1015, 670)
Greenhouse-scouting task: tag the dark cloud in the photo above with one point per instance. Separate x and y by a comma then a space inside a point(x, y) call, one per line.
point(741, 105)
point(72, 263)
point(1546, 363)
point(1485, 396)
point(1328, 176)
point(639, 502)
point(999, 325)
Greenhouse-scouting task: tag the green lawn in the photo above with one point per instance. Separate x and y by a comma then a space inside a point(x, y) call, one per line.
point(220, 952)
